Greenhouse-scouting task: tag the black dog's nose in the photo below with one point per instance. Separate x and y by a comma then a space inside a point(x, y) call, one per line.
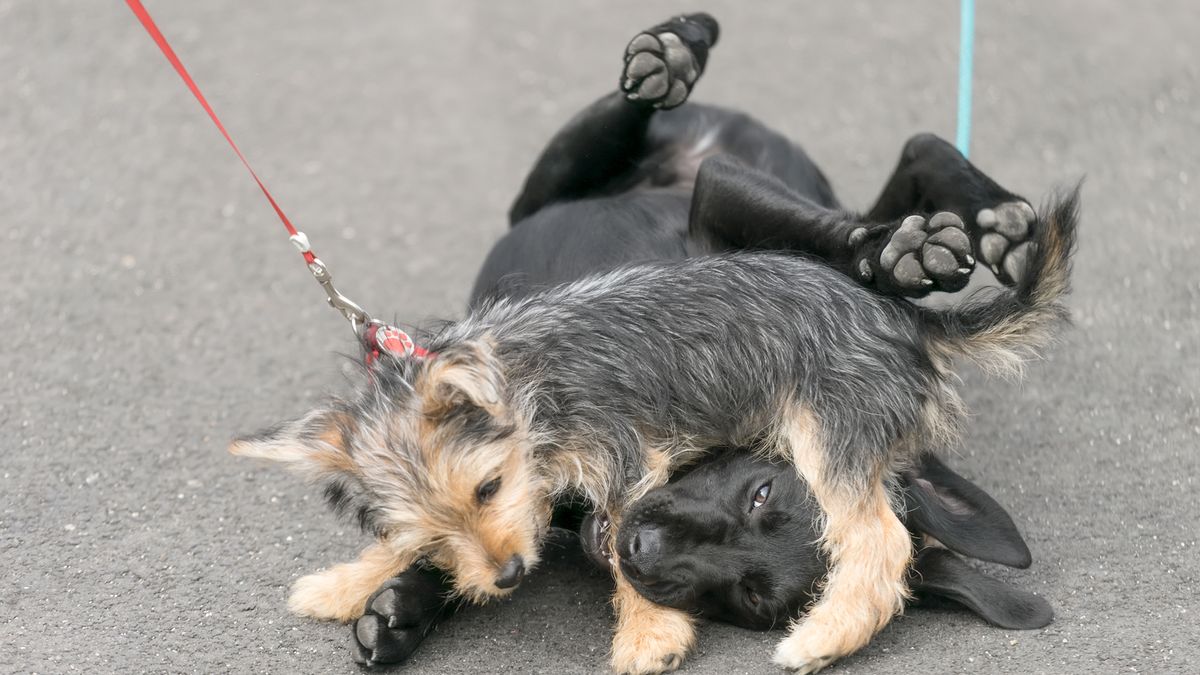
point(642, 551)
point(646, 544)
point(513, 572)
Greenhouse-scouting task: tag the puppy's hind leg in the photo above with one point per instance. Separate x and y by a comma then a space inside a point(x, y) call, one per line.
point(649, 638)
point(869, 552)
point(341, 592)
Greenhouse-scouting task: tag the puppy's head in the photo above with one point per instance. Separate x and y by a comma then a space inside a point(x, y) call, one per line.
point(737, 539)
point(433, 458)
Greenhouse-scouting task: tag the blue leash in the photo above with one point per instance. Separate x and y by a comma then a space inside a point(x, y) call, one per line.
point(966, 55)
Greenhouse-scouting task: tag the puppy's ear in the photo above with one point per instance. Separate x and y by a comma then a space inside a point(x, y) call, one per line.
point(314, 445)
point(961, 515)
point(317, 447)
point(938, 574)
point(467, 376)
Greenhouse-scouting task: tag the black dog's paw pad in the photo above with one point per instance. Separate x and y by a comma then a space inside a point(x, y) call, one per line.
point(1004, 242)
point(992, 247)
point(644, 42)
point(659, 70)
point(391, 606)
point(1016, 262)
point(924, 255)
point(394, 622)
point(367, 630)
point(939, 260)
point(910, 273)
point(377, 643)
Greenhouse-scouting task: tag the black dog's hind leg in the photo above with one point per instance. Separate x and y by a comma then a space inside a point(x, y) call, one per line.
point(738, 207)
point(606, 139)
point(932, 175)
point(400, 615)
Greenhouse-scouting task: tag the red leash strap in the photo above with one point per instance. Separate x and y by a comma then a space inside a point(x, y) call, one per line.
point(378, 337)
point(148, 23)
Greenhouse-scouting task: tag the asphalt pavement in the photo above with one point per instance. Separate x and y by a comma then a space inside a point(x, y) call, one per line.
point(151, 309)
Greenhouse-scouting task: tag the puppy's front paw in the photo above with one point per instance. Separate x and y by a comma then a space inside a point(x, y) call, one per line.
point(649, 646)
point(1005, 237)
point(395, 622)
point(799, 653)
point(324, 596)
point(662, 64)
point(918, 256)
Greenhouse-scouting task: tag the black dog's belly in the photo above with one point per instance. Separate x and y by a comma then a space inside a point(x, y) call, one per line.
point(572, 240)
point(680, 139)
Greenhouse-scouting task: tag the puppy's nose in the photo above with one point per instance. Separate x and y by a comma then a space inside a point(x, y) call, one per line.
point(512, 574)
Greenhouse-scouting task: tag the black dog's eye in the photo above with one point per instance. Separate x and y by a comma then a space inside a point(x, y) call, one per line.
point(752, 597)
point(760, 497)
point(486, 490)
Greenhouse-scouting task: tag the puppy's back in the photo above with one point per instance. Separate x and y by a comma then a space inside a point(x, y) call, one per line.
point(713, 347)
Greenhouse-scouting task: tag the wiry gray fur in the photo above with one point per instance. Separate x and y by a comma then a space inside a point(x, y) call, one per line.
point(709, 350)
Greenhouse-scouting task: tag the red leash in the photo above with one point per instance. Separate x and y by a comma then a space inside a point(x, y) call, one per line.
point(377, 336)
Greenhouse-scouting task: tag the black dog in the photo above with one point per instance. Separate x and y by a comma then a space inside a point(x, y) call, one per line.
point(732, 539)
point(624, 183)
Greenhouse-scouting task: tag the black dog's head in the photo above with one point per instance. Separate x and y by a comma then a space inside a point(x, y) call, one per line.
point(736, 539)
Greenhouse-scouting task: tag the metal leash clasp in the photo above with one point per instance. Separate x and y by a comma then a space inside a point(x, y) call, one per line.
point(357, 316)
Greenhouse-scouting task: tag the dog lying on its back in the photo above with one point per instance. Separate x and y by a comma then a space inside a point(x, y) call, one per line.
point(602, 387)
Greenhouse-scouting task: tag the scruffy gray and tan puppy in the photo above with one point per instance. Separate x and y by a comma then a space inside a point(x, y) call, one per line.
point(603, 386)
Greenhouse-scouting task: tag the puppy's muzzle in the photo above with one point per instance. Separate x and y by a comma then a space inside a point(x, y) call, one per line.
point(512, 573)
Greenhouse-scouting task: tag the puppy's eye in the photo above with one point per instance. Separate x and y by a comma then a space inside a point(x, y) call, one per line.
point(760, 497)
point(752, 597)
point(486, 490)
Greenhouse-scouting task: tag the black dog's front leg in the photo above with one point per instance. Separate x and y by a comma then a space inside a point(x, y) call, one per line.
point(584, 155)
point(604, 140)
point(400, 615)
point(736, 207)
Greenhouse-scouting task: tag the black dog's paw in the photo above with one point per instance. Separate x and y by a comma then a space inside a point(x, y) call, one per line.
point(394, 624)
point(916, 257)
point(1006, 233)
point(663, 63)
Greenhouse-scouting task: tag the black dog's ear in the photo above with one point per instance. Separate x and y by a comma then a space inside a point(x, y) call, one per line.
point(938, 573)
point(961, 515)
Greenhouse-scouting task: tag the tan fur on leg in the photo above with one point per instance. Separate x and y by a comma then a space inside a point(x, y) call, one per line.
point(650, 638)
point(869, 551)
point(341, 592)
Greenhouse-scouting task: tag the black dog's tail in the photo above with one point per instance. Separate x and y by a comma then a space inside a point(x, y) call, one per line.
point(1002, 331)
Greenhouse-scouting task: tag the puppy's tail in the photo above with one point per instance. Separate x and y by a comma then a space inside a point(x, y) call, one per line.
point(1000, 329)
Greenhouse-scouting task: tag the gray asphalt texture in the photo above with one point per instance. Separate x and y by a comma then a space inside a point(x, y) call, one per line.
point(150, 308)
